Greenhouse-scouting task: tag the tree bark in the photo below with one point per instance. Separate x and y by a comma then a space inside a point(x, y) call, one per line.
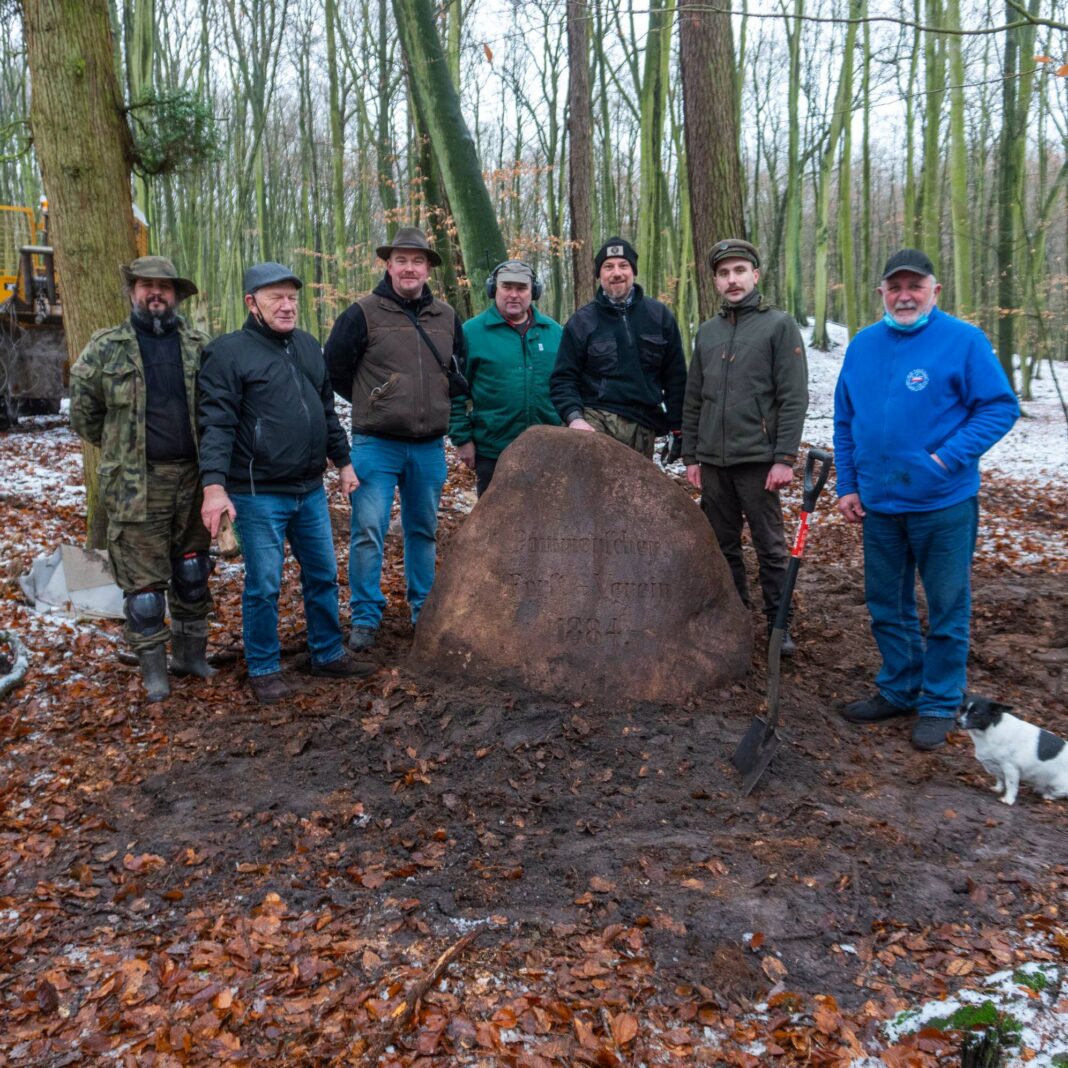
point(83, 149)
point(714, 169)
point(461, 173)
point(580, 155)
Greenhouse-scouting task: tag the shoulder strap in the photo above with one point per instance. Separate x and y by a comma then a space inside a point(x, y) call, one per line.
point(430, 344)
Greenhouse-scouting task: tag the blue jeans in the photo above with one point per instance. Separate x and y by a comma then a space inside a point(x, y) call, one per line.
point(264, 521)
point(418, 470)
point(928, 675)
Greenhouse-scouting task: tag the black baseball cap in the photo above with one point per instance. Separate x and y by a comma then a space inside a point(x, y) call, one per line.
point(908, 259)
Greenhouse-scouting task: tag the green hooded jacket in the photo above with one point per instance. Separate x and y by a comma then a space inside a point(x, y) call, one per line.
point(509, 377)
point(107, 409)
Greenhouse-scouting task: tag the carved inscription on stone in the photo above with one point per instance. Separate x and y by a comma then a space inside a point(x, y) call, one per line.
point(585, 571)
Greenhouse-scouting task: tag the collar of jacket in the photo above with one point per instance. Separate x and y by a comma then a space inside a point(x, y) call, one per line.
point(751, 302)
point(385, 289)
point(264, 331)
point(636, 295)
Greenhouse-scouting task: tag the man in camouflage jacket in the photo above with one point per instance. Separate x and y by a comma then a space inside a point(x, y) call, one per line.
point(133, 395)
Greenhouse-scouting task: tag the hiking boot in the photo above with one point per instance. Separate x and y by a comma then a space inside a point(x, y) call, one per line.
point(189, 655)
point(874, 710)
point(345, 667)
point(789, 646)
point(269, 689)
point(929, 732)
point(153, 662)
point(362, 638)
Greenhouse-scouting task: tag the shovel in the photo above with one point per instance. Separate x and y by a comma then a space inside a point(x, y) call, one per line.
point(761, 739)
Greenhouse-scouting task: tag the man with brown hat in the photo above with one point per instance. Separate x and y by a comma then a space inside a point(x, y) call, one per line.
point(133, 395)
point(746, 398)
point(620, 369)
point(398, 356)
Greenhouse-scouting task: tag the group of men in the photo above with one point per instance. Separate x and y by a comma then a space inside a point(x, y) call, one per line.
point(192, 431)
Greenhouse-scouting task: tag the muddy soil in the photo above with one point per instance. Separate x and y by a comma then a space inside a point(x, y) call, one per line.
point(467, 803)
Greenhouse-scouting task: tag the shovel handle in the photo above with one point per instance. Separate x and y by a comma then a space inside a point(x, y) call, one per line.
point(815, 477)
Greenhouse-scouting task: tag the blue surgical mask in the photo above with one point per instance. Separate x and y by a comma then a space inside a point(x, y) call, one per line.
point(891, 322)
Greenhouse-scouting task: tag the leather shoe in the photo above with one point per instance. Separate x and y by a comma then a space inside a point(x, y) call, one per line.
point(874, 710)
point(269, 689)
point(930, 732)
point(345, 667)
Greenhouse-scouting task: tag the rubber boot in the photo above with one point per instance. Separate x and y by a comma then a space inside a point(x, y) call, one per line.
point(153, 663)
point(189, 650)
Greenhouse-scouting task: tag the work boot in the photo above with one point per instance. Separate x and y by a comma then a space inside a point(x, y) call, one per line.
point(189, 650)
point(789, 646)
point(345, 667)
point(269, 689)
point(362, 638)
point(874, 710)
point(929, 732)
point(153, 661)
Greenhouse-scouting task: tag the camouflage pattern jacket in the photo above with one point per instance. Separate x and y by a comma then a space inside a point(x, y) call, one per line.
point(107, 408)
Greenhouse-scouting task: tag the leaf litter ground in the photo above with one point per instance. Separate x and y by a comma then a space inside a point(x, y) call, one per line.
point(403, 872)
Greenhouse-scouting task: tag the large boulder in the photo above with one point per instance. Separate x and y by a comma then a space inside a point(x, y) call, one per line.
point(584, 572)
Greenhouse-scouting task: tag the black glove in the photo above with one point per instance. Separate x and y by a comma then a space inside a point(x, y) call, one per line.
point(672, 449)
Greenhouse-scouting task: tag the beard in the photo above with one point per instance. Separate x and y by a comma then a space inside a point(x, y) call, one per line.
point(159, 322)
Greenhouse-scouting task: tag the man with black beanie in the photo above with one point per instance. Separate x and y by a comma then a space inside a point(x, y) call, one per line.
point(620, 369)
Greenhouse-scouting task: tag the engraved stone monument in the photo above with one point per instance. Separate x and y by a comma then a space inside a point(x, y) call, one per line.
point(584, 572)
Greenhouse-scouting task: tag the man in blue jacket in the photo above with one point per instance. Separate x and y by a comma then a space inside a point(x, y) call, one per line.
point(920, 398)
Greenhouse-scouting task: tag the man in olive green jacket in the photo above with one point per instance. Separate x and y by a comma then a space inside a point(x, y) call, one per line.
point(511, 351)
point(742, 417)
point(133, 395)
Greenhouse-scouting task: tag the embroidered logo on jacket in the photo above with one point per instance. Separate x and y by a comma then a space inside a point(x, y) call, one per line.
point(916, 380)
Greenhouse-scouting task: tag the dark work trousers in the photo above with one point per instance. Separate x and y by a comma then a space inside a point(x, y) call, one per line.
point(733, 495)
point(483, 473)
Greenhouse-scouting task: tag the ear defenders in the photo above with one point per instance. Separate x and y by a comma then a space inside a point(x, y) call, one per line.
point(536, 287)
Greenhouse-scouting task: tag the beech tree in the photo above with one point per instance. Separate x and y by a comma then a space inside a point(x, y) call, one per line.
point(84, 153)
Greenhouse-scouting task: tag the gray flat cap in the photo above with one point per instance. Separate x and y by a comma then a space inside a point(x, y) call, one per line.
point(268, 274)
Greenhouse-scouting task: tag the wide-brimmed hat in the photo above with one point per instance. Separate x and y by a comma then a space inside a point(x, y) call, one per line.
point(148, 267)
point(409, 237)
point(268, 274)
point(733, 248)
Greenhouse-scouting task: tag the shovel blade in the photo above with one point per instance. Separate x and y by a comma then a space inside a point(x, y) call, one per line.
point(754, 753)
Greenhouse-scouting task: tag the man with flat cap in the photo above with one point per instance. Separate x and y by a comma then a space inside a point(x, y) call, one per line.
point(133, 395)
point(746, 398)
point(267, 426)
point(621, 370)
point(511, 349)
point(393, 354)
point(920, 397)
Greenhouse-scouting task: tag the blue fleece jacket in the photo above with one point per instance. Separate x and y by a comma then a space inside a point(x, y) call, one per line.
point(902, 396)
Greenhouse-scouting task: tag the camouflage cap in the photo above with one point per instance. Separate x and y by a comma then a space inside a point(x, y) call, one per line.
point(146, 267)
point(733, 248)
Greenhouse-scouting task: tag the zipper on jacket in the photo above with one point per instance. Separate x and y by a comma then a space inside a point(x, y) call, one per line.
point(728, 359)
point(252, 458)
point(291, 363)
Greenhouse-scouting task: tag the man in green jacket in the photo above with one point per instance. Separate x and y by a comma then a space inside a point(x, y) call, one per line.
point(133, 394)
point(511, 350)
point(742, 416)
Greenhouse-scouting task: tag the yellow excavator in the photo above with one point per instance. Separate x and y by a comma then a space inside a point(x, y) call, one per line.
point(33, 352)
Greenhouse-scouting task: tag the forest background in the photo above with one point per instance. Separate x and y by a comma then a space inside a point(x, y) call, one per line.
point(828, 131)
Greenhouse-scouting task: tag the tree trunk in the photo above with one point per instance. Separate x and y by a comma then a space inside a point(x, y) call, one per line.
point(714, 170)
point(795, 302)
point(476, 221)
point(580, 154)
point(960, 209)
point(83, 151)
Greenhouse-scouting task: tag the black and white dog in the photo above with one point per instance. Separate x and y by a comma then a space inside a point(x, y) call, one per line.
point(1014, 751)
